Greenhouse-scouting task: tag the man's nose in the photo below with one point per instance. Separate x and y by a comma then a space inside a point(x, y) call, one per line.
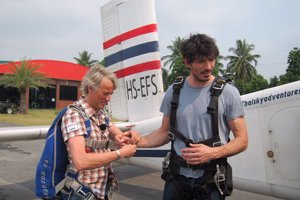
point(108, 97)
point(208, 64)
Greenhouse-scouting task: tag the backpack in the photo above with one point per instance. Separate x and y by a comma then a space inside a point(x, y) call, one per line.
point(53, 164)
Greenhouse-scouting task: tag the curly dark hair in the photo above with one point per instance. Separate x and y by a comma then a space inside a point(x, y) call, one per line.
point(199, 47)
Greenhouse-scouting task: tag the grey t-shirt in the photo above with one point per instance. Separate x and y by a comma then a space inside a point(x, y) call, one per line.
point(194, 122)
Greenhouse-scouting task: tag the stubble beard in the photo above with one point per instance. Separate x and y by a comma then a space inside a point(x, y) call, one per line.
point(202, 78)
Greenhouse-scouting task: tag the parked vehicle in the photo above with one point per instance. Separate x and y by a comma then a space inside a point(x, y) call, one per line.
point(8, 107)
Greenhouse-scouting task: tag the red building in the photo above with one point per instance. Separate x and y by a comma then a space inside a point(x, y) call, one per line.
point(64, 79)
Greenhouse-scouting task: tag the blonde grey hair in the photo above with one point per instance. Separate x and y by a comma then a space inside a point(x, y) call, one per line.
point(94, 76)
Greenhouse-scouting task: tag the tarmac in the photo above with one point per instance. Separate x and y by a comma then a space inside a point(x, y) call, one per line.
point(17, 171)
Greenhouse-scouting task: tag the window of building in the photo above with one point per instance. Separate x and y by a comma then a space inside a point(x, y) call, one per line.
point(68, 93)
point(9, 94)
point(42, 98)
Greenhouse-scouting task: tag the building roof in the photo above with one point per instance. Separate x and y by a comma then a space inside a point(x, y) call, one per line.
point(4, 61)
point(52, 69)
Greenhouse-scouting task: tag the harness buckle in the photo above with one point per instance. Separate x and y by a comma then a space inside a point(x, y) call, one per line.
point(178, 80)
point(219, 85)
point(217, 144)
point(171, 136)
point(107, 144)
point(193, 167)
point(188, 142)
point(219, 179)
point(81, 192)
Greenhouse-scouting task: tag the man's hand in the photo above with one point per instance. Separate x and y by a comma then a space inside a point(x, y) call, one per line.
point(134, 137)
point(121, 140)
point(198, 154)
point(127, 151)
point(128, 137)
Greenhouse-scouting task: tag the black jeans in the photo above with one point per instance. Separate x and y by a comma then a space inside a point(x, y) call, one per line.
point(181, 187)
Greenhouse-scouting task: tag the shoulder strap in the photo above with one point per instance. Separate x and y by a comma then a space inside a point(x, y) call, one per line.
point(177, 85)
point(86, 119)
point(213, 107)
point(215, 90)
point(94, 144)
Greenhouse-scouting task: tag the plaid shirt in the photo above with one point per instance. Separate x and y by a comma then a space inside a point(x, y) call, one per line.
point(73, 125)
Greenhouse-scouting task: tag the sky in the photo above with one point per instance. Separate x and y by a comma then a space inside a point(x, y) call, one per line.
point(61, 29)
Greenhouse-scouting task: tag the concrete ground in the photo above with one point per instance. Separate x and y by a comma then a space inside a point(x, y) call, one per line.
point(17, 171)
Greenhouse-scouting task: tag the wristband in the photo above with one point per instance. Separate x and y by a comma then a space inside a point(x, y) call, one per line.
point(118, 154)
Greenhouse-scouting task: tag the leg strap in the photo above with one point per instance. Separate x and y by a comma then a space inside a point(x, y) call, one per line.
point(72, 185)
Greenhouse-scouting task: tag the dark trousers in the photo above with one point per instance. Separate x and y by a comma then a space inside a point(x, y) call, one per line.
point(181, 187)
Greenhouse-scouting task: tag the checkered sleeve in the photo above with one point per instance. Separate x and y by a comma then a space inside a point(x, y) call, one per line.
point(72, 125)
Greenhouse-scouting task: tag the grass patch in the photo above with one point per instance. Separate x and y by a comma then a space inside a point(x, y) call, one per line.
point(35, 117)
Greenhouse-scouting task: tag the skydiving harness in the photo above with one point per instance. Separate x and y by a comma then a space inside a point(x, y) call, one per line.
point(71, 182)
point(54, 174)
point(217, 171)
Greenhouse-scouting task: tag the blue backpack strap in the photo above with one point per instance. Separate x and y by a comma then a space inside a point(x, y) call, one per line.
point(53, 162)
point(86, 119)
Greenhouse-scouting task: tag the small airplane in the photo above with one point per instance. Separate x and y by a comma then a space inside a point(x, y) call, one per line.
point(270, 165)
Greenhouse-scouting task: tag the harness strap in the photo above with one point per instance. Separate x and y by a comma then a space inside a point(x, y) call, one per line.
point(60, 185)
point(177, 160)
point(86, 119)
point(70, 183)
point(104, 144)
point(213, 107)
point(177, 85)
point(94, 144)
point(73, 185)
point(175, 133)
point(212, 142)
point(215, 90)
point(214, 167)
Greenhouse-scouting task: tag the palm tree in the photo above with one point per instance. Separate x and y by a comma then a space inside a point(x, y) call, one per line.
point(240, 63)
point(175, 53)
point(165, 78)
point(178, 69)
point(85, 59)
point(219, 67)
point(24, 76)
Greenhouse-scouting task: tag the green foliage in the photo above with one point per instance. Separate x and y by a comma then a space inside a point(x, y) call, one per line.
point(255, 84)
point(23, 76)
point(240, 63)
point(165, 78)
point(241, 67)
point(292, 72)
point(219, 67)
point(102, 62)
point(274, 81)
point(179, 69)
point(175, 63)
point(175, 56)
point(294, 62)
point(85, 59)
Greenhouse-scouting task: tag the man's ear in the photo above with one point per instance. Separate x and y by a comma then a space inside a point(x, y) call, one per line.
point(187, 64)
point(90, 88)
